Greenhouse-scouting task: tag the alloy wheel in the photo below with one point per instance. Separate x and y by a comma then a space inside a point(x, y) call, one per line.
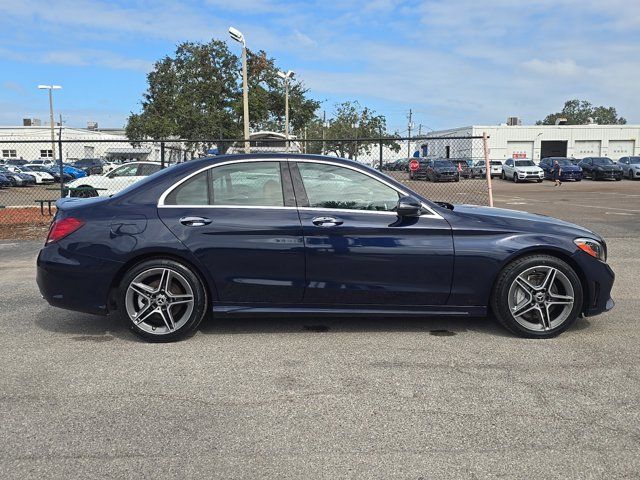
point(159, 301)
point(541, 298)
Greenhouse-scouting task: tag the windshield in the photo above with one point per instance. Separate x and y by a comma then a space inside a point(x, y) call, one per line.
point(442, 163)
point(602, 161)
point(561, 161)
point(524, 163)
point(634, 160)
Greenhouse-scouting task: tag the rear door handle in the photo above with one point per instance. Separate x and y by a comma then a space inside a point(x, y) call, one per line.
point(326, 221)
point(195, 221)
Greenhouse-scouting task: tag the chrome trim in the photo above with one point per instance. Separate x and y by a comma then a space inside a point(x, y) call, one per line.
point(431, 214)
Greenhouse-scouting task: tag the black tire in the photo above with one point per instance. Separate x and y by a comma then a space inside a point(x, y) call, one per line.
point(200, 302)
point(593, 177)
point(503, 176)
point(500, 302)
point(515, 178)
point(539, 180)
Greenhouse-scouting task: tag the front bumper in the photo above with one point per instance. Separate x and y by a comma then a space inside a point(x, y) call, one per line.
point(74, 281)
point(599, 280)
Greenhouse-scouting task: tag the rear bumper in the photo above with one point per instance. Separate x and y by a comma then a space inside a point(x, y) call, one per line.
point(73, 281)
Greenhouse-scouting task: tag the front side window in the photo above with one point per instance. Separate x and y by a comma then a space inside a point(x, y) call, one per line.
point(332, 186)
point(256, 184)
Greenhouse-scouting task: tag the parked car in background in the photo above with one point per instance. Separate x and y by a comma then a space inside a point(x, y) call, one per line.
point(441, 170)
point(568, 171)
point(112, 182)
point(53, 171)
point(73, 171)
point(421, 172)
point(15, 162)
point(462, 165)
point(18, 179)
point(402, 165)
point(600, 168)
point(630, 167)
point(5, 182)
point(478, 169)
point(522, 170)
point(42, 161)
point(40, 177)
point(223, 235)
point(91, 166)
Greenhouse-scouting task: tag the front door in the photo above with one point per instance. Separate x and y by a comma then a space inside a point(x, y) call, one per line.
point(239, 219)
point(358, 251)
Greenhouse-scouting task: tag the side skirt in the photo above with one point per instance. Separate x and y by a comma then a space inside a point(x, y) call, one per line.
point(296, 309)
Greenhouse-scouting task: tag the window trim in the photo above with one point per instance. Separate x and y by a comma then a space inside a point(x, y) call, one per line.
point(283, 179)
point(431, 213)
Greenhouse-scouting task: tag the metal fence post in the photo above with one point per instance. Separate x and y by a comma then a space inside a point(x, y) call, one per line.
point(161, 155)
point(487, 163)
point(60, 160)
point(380, 163)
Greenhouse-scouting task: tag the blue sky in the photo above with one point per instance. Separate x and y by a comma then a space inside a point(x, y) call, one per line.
point(453, 62)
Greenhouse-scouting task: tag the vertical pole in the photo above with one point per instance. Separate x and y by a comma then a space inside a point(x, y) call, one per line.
point(245, 99)
point(487, 164)
point(161, 155)
point(324, 122)
point(286, 110)
point(53, 135)
point(380, 144)
point(409, 140)
point(60, 159)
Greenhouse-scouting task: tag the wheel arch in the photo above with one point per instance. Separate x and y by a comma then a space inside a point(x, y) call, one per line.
point(143, 257)
point(552, 252)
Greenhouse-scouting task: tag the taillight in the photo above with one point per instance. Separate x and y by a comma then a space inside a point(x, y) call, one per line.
point(63, 227)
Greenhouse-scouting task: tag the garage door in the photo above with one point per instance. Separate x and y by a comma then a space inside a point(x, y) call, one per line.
point(586, 148)
point(620, 148)
point(519, 149)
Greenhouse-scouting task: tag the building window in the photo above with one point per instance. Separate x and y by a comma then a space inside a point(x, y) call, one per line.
point(9, 153)
point(46, 153)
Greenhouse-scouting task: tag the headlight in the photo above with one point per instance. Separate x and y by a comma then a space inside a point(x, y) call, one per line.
point(592, 247)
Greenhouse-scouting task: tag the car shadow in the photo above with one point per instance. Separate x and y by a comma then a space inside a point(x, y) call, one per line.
point(439, 326)
point(95, 328)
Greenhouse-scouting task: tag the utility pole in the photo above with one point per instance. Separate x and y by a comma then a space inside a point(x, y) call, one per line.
point(409, 126)
point(324, 124)
point(419, 130)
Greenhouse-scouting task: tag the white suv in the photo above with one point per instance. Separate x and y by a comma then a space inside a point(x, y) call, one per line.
point(112, 182)
point(521, 170)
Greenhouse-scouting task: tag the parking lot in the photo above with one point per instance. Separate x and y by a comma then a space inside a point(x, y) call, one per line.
point(330, 397)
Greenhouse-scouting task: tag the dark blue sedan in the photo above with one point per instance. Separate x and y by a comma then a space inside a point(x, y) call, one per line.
point(283, 233)
point(568, 169)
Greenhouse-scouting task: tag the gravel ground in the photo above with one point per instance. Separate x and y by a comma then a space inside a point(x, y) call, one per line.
point(329, 398)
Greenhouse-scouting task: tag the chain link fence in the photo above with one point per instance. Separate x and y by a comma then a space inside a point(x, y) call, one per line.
point(32, 178)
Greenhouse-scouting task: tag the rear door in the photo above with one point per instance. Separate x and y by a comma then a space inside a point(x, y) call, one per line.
point(358, 251)
point(239, 219)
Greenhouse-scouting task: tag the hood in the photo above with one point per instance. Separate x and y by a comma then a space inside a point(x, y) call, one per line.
point(515, 220)
point(570, 168)
point(607, 168)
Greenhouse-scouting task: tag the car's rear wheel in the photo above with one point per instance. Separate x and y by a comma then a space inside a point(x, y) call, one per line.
point(537, 296)
point(162, 300)
point(84, 191)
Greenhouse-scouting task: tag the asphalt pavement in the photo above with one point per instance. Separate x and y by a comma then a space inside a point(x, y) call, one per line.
point(80, 397)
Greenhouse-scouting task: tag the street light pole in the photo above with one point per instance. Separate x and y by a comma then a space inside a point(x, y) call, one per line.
point(239, 37)
point(53, 135)
point(286, 77)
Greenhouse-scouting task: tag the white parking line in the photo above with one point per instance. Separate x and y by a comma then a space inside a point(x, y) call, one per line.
point(619, 213)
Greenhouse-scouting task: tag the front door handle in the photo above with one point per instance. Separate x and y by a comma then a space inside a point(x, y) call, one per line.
point(326, 221)
point(195, 221)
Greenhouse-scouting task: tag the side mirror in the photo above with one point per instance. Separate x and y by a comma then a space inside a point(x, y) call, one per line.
point(408, 207)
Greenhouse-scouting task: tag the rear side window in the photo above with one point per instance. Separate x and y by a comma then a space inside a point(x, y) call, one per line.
point(256, 184)
point(145, 169)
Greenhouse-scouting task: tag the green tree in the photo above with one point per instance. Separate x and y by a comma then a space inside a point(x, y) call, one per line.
point(352, 130)
point(578, 112)
point(197, 94)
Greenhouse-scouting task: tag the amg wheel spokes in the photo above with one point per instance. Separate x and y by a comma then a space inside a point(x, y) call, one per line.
point(159, 300)
point(541, 298)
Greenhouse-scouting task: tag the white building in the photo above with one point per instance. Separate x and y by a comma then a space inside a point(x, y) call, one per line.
point(535, 141)
point(32, 142)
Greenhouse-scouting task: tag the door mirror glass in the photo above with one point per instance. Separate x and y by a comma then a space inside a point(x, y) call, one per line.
point(408, 207)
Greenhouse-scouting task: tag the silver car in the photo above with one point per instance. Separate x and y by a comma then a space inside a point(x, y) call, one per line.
point(521, 171)
point(630, 167)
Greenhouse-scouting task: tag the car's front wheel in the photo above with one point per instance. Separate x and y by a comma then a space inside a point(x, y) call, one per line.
point(537, 296)
point(162, 300)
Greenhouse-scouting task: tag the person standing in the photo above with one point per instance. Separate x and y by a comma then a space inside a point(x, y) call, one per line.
point(557, 171)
